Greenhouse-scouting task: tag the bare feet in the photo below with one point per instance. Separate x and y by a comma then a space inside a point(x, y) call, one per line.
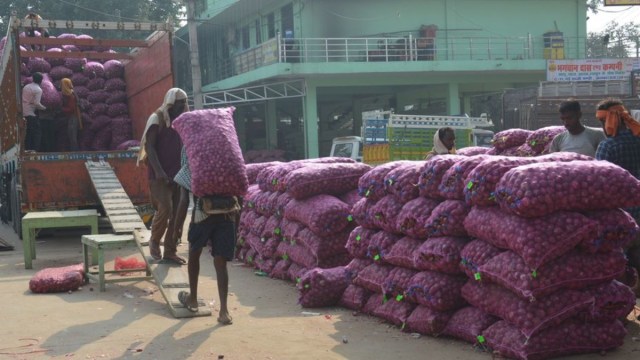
point(224, 318)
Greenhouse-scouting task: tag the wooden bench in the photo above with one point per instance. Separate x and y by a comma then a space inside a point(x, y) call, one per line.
point(52, 219)
point(103, 242)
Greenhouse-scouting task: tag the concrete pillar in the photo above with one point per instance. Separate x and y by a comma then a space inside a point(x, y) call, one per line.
point(272, 124)
point(311, 143)
point(454, 99)
point(467, 105)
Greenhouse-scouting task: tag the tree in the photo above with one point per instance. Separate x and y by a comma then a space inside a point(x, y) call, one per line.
point(105, 10)
point(615, 41)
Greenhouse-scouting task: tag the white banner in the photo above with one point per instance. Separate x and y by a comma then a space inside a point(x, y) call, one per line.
point(591, 69)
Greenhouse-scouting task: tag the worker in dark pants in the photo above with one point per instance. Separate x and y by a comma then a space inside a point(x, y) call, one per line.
point(31, 96)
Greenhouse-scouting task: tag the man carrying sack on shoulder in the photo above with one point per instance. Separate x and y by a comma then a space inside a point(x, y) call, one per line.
point(213, 223)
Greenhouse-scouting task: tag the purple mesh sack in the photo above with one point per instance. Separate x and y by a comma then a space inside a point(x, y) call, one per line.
point(271, 228)
point(82, 92)
point(537, 240)
point(401, 253)
point(296, 271)
point(99, 122)
point(214, 154)
point(480, 184)
point(116, 97)
point(472, 150)
point(279, 271)
point(468, 323)
point(36, 64)
point(617, 230)
point(530, 317)
point(447, 219)
point(440, 254)
point(323, 247)
point(115, 84)
point(426, 321)
point(413, 216)
point(264, 264)
point(120, 131)
point(574, 270)
point(402, 182)
point(322, 287)
point(359, 240)
point(438, 291)
point(78, 79)
point(55, 61)
point(51, 97)
point(354, 297)
point(330, 179)
point(254, 169)
point(395, 312)
point(95, 84)
point(323, 214)
point(280, 203)
point(569, 338)
point(98, 97)
point(350, 198)
point(373, 303)
point(59, 72)
point(371, 185)
point(102, 139)
point(75, 64)
point(355, 266)
point(93, 69)
point(275, 180)
point(540, 189)
point(290, 229)
point(380, 245)
point(613, 301)
point(363, 213)
point(397, 282)
point(510, 138)
point(85, 47)
point(372, 277)
point(301, 255)
point(113, 69)
point(385, 213)
point(541, 138)
point(258, 225)
point(453, 181)
point(432, 172)
point(475, 254)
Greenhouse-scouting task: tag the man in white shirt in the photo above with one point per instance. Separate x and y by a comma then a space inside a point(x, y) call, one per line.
point(578, 138)
point(31, 95)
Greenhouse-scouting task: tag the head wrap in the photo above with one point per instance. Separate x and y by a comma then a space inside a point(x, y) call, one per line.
point(613, 116)
point(438, 146)
point(67, 87)
point(169, 99)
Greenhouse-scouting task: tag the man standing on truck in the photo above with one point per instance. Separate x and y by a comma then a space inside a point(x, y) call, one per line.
point(216, 228)
point(71, 112)
point(578, 138)
point(621, 147)
point(31, 95)
point(444, 142)
point(160, 146)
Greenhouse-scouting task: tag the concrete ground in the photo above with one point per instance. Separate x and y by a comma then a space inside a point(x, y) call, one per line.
point(132, 321)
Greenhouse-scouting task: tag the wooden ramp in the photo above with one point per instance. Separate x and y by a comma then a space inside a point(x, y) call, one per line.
point(170, 279)
point(118, 207)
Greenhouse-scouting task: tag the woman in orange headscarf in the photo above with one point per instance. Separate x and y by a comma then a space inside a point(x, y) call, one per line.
point(72, 112)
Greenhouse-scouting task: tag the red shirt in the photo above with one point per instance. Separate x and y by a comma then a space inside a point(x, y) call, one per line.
point(69, 104)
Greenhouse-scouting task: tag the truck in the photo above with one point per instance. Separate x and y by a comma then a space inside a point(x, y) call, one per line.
point(386, 136)
point(46, 181)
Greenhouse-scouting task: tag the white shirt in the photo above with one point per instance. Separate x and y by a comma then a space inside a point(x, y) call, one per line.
point(31, 95)
point(584, 143)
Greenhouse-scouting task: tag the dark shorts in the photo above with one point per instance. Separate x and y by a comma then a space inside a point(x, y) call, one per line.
point(217, 230)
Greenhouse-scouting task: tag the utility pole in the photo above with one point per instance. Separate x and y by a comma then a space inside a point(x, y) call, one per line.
point(196, 75)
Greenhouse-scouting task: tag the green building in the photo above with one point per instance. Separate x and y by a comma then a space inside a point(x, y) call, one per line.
point(301, 72)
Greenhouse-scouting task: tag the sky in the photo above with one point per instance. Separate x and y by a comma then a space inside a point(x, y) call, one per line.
point(621, 14)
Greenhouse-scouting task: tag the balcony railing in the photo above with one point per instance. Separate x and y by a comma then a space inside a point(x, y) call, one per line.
point(390, 49)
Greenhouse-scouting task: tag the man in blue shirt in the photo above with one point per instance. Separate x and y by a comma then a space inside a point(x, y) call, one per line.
point(621, 147)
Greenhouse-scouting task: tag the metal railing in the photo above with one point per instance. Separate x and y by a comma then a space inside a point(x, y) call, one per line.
point(394, 49)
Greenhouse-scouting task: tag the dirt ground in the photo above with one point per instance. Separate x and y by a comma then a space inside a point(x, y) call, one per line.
point(132, 321)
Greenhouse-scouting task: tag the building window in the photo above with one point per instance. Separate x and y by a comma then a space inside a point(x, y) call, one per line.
point(286, 15)
point(246, 38)
point(271, 25)
point(258, 32)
